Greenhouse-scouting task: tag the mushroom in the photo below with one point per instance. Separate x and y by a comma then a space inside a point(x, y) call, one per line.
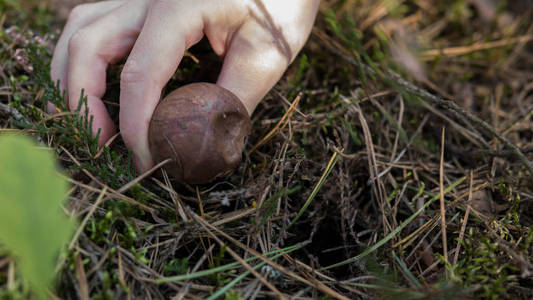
point(201, 127)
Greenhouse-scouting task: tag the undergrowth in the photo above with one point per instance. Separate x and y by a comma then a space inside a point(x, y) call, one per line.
point(343, 200)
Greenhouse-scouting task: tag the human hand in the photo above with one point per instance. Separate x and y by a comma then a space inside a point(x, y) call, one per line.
point(258, 39)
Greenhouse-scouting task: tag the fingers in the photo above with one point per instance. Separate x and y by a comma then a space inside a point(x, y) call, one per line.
point(91, 49)
point(251, 67)
point(263, 47)
point(151, 63)
point(80, 17)
point(157, 32)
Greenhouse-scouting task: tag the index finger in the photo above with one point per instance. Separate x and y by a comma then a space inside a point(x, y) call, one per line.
point(150, 65)
point(91, 50)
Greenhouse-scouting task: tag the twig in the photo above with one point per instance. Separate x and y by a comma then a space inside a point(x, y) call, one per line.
point(128, 185)
point(239, 259)
point(426, 96)
point(442, 206)
point(87, 217)
point(462, 50)
point(280, 125)
point(504, 153)
point(325, 289)
point(456, 109)
point(465, 220)
point(376, 183)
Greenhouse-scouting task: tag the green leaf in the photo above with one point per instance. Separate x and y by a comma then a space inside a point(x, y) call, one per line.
point(32, 224)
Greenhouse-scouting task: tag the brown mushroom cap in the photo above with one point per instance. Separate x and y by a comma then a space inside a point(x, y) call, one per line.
point(201, 127)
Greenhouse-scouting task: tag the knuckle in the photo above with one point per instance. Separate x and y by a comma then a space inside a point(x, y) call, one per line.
point(78, 12)
point(79, 40)
point(132, 72)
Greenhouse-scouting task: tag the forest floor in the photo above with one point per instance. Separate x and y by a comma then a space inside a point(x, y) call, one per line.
point(393, 160)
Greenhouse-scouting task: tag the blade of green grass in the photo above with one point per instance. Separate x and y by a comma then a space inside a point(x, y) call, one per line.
point(407, 272)
point(413, 294)
point(329, 167)
point(243, 275)
point(397, 229)
point(222, 268)
point(272, 201)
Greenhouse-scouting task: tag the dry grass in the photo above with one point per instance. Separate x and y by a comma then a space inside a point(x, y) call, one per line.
point(391, 107)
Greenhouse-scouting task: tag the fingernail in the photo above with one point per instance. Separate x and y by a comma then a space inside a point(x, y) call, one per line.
point(51, 108)
point(137, 163)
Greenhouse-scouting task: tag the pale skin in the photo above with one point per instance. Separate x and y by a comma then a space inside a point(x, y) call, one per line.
point(257, 38)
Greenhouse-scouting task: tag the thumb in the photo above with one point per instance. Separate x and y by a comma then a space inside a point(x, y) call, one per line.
point(253, 65)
